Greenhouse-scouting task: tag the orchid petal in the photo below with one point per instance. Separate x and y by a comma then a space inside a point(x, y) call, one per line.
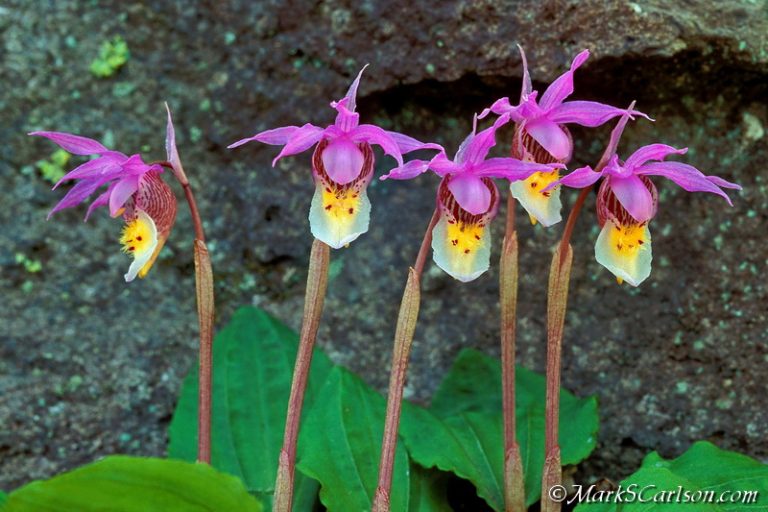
point(103, 168)
point(500, 106)
point(615, 168)
point(651, 152)
point(580, 178)
point(346, 119)
point(407, 144)
point(685, 176)
point(123, 190)
point(511, 169)
point(562, 87)
point(300, 140)
point(625, 251)
point(517, 113)
point(75, 144)
point(276, 137)
point(528, 109)
point(470, 192)
point(720, 182)
point(171, 151)
point(442, 165)
point(475, 148)
point(462, 250)
point(339, 225)
point(76, 195)
point(342, 160)
point(408, 170)
point(135, 166)
point(100, 201)
point(551, 137)
point(613, 142)
point(351, 95)
point(542, 204)
point(459, 158)
point(527, 87)
point(375, 135)
point(586, 113)
point(143, 258)
point(633, 196)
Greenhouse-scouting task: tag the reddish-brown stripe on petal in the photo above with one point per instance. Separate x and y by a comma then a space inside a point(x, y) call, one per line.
point(156, 198)
point(609, 207)
point(525, 147)
point(355, 186)
point(450, 207)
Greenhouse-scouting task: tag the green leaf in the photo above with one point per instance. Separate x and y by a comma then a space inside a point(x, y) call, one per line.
point(466, 415)
point(704, 467)
point(132, 484)
point(472, 384)
point(469, 445)
point(253, 364)
point(340, 445)
point(3, 497)
point(428, 490)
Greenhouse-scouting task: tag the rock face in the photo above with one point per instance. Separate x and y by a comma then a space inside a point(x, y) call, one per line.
point(90, 366)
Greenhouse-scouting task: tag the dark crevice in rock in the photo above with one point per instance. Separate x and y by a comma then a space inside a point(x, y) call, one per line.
point(670, 84)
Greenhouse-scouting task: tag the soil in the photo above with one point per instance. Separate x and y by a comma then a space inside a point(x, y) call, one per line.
point(90, 366)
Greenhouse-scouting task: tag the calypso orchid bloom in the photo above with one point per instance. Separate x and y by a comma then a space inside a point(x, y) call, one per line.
point(342, 166)
point(467, 200)
point(627, 201)
point(540, 135)
point(135, 190)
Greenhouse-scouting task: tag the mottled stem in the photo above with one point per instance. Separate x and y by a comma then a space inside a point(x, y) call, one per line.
point(317, 281)
point(406, 325)
point(559, 275)
point(557, 301)
point(205, 313)
point(514, 488)
point(557, 298)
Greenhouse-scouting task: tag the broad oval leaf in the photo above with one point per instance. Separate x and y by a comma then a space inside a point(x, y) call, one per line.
point(469, 445)
point(705, 471)
point(340, 445)
point(253, 365)
point(135, 484)
point(466, 412)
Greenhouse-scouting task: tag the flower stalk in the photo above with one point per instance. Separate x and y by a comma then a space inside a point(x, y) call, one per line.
point(557, 300)
point(514, 487)
point(317, 282)
point(559, 276)
point(406, 325)
point(205, 299)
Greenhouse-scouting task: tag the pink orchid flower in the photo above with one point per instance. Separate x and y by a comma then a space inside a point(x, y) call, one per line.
point(540, 135)
point(627, 201)
point(468, 200)
point(342, 166)
point(135, 190)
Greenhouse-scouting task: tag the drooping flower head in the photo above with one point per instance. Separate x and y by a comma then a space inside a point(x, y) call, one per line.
point(135, 190)
point(627, 201)
point(541, 135)
point(467, 200)
point(342, 166)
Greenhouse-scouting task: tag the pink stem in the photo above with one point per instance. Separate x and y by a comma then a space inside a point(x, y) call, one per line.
point(406, 325)
point(514, 488)
point(317, 281)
